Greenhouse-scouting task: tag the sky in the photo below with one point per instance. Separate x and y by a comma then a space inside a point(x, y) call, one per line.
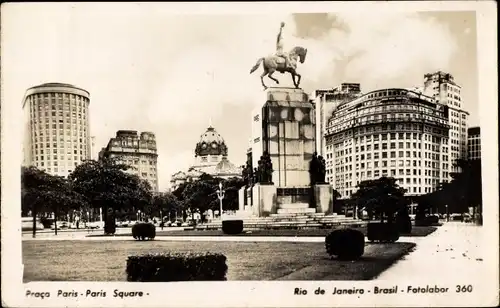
point(149, 70)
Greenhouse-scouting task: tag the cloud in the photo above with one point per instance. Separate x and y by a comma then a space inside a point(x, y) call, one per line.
point(388, 46)
point(169, 74)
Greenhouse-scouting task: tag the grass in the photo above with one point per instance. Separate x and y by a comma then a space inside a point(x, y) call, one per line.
point(106, 260)
point(417, 231)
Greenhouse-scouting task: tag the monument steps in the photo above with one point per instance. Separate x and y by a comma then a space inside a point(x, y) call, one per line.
point(294, 206)
point(293, 221)
point(296, 210)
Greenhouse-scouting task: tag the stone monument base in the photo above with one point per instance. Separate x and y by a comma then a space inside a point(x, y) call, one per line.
point(264, 200)
point(241, 198)
point(323, 197)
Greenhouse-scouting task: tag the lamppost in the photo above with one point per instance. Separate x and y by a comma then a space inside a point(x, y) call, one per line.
point(220, 195)
point(139, 215)
point(447, 214)
point(161, 219)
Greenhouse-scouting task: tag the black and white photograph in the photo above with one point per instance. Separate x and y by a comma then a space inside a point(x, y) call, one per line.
point(331, 154)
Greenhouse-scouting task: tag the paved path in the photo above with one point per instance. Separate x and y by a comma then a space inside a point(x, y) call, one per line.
point(83, 237)
point(457, 254)
point(454, 247)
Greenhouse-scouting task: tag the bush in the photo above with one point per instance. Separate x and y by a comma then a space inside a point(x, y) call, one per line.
point(232, 226)
point(346, 244)
point(404, 224)
point(427, 221)
point(177, 267)
point(46, 222)
point(382, 232)
point(432, 219)
point(110, 226)
point(144, 230)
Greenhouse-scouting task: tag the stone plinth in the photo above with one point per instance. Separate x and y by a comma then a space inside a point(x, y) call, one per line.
point(264, 200)
point(285, 127)
point(323, 196)
point(241, 198)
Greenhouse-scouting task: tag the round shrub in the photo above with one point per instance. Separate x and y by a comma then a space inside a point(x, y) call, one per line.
point(404, 224)
point(232, 226)
point(429, 220)
point(143, 230)
point(433, 219)
point(346, 244)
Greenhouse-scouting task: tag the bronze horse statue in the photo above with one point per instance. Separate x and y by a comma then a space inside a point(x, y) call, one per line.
point(275, 63)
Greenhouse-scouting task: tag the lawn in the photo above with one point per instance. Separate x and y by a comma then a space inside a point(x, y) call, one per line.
point(106, 260)
point(417, 231)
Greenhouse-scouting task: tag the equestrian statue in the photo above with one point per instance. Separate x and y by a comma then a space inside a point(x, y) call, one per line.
point(281, 61)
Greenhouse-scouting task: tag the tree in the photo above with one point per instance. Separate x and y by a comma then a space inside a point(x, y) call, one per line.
point(200, 196)
point(43, 193)
point(106, 184)
point(35, 197)
point(232, 187)
point(167, 203)
point(382, 198)
point(462, 192)
point(467, 184)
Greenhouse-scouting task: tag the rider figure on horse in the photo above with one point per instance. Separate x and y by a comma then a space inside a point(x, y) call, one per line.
point(279, 47)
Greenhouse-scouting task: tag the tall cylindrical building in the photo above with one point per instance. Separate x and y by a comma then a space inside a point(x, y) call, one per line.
point(389, 132)
point(57, 134)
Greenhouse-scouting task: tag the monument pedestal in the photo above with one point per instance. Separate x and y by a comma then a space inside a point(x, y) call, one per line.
point(241, 198)
point(284, 127)
point(264, 197)
point(323, 197)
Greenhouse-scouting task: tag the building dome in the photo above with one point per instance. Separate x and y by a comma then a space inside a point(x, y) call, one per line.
point(211, 143)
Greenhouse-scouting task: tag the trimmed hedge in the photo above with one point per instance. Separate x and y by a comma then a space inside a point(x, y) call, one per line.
point(427, 221)
point(144, 230)
point(404, 224)
point(346, 244)
point(382, 232)
point(177, 267)
point(432, 219)
point(232, 226)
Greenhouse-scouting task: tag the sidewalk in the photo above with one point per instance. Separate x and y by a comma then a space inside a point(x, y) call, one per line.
point(454, 250)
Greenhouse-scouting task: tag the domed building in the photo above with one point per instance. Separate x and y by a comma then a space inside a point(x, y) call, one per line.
point(210, 157)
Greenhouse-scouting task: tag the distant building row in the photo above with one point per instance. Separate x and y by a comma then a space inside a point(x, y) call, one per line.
point(414, 135)
point(57, 134)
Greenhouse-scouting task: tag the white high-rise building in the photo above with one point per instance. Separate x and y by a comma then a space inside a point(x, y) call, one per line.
point(56, 127)
point(442, 87)
point(388, 132)
point(325, 102)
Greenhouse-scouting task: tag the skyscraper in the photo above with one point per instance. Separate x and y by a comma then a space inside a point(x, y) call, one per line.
point(392, 132)
point(474, 143)
point(443, 88)
point(137, 151)
point(56, 127)
point(325, 102)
